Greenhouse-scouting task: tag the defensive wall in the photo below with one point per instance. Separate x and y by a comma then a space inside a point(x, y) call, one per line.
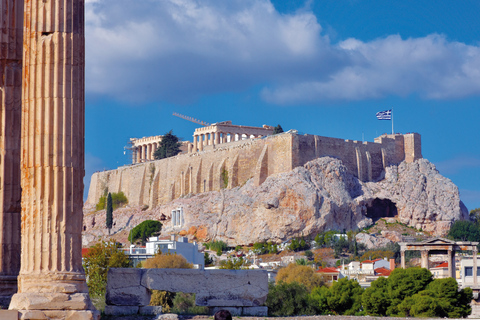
point(231, 164)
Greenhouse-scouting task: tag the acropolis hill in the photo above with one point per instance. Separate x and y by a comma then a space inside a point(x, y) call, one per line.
point(242, 186)
point(212, 163)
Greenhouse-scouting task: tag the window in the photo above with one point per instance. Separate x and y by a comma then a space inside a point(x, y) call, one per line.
point(469, 271)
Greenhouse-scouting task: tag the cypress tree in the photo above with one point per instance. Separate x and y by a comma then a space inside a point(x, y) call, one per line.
point(109, 219)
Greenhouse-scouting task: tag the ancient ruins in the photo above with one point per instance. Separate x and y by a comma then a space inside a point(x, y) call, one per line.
point(51, 282)
point(245, 153)
point(11, 49)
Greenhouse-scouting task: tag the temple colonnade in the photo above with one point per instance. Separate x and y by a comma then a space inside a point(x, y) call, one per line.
point(144, 148)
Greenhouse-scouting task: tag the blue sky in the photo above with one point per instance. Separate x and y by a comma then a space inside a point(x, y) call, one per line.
point(322, 67)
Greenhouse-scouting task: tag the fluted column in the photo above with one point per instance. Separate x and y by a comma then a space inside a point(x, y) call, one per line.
point(52, 280)
point(138, 151)
point(200, 142)
point(217, 137)
point(11, 49)
point(144, 153)
point(194, 143)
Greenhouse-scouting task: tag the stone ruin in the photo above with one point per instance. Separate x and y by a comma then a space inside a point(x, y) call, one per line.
point(45, 156)
point(242, 292)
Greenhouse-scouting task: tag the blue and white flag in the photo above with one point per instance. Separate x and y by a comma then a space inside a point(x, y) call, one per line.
point(384, 115)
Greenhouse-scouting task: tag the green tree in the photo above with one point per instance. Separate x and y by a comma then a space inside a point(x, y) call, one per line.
point(109, 219)
point(464, 231)
point(233, 263)
point(288, 299)
point(343, 297)
point(98, 260)
point(278, 129)
point(169, 146)
point(150, 227)
point(375, 299)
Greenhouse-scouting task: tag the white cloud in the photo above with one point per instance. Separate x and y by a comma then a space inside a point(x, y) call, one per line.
point(181, 49)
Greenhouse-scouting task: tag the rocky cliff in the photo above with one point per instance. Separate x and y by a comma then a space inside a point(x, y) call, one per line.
point(318, 196)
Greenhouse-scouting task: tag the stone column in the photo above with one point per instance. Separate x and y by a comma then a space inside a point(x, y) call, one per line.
point(424, 258)
point(451, 271)
point(51, 283)
point(402, 255)
point(144, 153)
point(194, 143)
point(138, 150)
point(11, 49)
point(217, 137)
point(474, 252)
point(200, 142)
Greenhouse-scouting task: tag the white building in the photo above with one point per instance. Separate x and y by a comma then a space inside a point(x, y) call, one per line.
point(180, 246)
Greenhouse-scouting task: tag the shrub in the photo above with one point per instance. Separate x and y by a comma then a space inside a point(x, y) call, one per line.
point(98, 260)
point(304, 275)
point(147, 227)
point(118, 199)
point(234, 263)
point(184, 303)
point(216, 246)
point(288, 299)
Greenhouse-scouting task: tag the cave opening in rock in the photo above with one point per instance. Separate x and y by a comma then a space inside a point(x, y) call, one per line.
point(381, 208)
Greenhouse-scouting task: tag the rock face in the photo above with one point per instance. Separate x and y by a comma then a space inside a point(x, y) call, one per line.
point(321, 195)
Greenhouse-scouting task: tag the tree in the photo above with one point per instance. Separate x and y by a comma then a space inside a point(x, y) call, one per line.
point(278, 129)
point(343, 297)
point(464, 231)
point(98, 260)
point(288, 299)
point(234, 264)
point(149, 227)
point(301, 274)
point(169, 146)
point(109, 219)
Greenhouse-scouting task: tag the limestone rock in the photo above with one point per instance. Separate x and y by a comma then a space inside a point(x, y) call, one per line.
point(321, 195)
point(371, 241)
point(393, 236)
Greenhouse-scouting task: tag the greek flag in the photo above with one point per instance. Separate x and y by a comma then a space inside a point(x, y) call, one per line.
point(384, 115)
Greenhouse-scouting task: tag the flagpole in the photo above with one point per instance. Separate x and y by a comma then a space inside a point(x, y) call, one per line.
point(392, 121)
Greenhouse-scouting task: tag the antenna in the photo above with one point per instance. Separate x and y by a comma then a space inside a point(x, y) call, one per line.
point(203, 123)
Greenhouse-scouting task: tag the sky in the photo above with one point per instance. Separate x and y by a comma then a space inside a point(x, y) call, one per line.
point(322, 67)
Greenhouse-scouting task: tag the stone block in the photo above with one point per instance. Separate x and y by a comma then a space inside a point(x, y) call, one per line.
point(255, 311)
point(128, 296)
point(72, 315)
point(121, 310)
point(167, 316)
point(151, 310)
point(232, 301)
point(32, 315)
point(185, 280)
point(9, 314)
point(123, 277)
point(234, 311)
point(51, 301)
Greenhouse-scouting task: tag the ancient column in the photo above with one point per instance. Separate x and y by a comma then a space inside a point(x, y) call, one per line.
point(138, 151)
point(216, 137)
point(11, 49)
point(474, 253)
point(402, 255)
point(200, 142)
point(51, 283)
point(424, 258)
point(194, 143)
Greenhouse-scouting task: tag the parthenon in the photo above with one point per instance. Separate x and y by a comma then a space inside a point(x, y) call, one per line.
point(204, 138)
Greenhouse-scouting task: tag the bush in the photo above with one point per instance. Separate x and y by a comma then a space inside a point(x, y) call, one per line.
point(167, 260)
point(343, 297)
point(216, 246)
point(298, 244)
point(98, 260)
point(147, 227)
point(184, 303)
point(288, 299)
point(234, 263)
point(304, 275)
point(165, 298)
point(118, 199)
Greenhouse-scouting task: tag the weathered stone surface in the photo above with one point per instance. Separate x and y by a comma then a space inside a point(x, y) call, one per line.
point(393, 236)
point(255, 311)
point(121, 310)
point(9, 314)
point(371, 241)
point(51, 301)
point(167, 316)
point(124, 277)
point(129, 296)
point(318, 196)
point(150, 310)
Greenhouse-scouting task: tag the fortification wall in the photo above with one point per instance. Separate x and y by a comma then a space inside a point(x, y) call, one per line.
point(229, 165)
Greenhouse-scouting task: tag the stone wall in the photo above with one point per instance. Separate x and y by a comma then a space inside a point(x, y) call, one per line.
point(229, 165)
point(242, 291)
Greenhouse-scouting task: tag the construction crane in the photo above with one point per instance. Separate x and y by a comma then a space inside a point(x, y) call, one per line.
point(203, 123)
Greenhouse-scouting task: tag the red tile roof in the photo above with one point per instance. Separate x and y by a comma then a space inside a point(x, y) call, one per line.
point(328, 270)
point(371, 261)
point(383, 272)
point(441, 265)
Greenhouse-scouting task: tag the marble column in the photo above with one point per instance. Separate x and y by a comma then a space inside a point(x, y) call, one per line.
point(200, 142)
point(402, 255)
point(138, 150)
point(194, 143)
point(51, 283)
point(424, 258)
point(144, 153)
point(217, 137)
point(11, 49)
